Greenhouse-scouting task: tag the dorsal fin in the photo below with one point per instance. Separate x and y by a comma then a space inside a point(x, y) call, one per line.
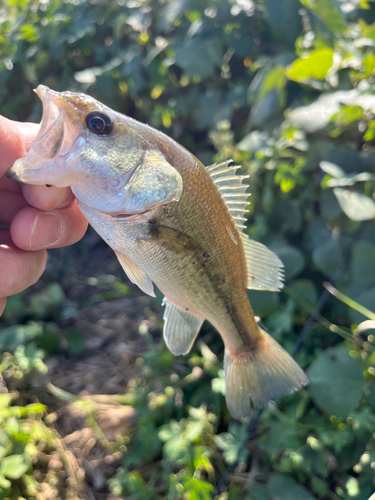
point(231, 189)
point(264, 268)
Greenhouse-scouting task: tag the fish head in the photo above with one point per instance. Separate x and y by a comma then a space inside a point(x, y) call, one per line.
point(100, 154)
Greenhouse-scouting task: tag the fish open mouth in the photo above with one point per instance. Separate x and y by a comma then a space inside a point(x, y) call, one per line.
point(39, 166)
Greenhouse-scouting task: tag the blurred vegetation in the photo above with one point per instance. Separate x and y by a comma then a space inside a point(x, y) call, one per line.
point(286, 89)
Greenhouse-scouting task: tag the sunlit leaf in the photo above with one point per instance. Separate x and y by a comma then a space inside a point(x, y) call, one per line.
point(14, 466)
point(331, 169)
point(231, 443)
point(328, 12)
point(351, 180)
point(348, 114)
point(356, 206)
point(315, 64)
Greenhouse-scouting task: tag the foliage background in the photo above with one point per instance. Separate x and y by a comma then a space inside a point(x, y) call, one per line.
point(286, 89)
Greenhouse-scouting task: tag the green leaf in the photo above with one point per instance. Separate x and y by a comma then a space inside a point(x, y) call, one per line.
point(253, 142)
point(196, 58)
point(274, 80)
point(218, 384)
point(47, 301)
point(356, 206)
point(76, 341)
point(362, 265)
point(336, 382)
point(350, 180)
point(14, 466)
point(329, 205)
point(194, 430)
point(327, 256)
point(293, 261)
point(280, 436)
point(328, 13)
point(284, 19)
point(16, 335)
point(5, 400)
point(347, 115)
point(263, 303)
point(4, 484)
point(231, 442)
point(176, 449)
point(306, 289)
point(258, 492)
point(332, 169)
point(197, 489)
point(282, 321)
point(366, 309)
point(201, 458)
point(29, 357)
point(316, 65)
point(364, 419)
point(285, 487)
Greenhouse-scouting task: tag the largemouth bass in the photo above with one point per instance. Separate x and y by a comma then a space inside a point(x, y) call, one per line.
point(171, 222)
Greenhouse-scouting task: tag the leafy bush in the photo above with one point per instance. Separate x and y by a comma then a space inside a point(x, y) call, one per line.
point(286, 89)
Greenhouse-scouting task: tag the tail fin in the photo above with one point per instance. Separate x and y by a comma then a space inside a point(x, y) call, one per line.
point(253, 378)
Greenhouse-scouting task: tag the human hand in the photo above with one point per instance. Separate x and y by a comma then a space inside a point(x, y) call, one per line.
point(39, 217)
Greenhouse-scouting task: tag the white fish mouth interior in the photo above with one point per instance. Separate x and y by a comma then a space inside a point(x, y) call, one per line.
point(51, 135)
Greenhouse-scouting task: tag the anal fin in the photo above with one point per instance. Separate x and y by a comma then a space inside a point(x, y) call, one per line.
point(180, 328)
point(135, 274)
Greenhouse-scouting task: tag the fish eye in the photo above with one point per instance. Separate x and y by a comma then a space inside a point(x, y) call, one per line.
point(99, 123)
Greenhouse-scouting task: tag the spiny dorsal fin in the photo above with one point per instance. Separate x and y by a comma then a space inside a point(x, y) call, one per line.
point(231, 189)
point(180, 328)
point(265, 269)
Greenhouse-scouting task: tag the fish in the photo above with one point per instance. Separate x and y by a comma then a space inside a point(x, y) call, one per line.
point(173, 223)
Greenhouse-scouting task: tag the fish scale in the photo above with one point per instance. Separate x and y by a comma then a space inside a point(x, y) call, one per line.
point(171, 222)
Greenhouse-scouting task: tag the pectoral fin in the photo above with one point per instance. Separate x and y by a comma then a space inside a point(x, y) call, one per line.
point(135, 274)
point(180, 328)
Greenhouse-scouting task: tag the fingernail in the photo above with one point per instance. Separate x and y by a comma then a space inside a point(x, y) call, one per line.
point(45, 232)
